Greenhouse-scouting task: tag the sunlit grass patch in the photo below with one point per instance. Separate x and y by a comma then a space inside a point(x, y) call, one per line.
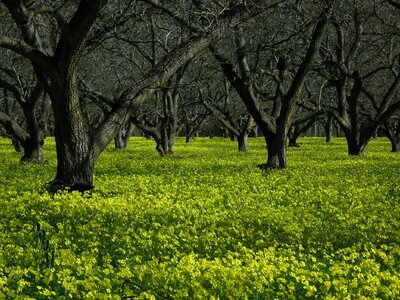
point(206, 223)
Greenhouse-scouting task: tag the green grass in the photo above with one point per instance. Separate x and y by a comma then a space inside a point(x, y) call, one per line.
point(206, 224)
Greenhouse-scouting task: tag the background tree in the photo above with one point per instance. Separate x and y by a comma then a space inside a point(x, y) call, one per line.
point(22, 116)
point(273, 120)
point(229, 112)
point(362, 69)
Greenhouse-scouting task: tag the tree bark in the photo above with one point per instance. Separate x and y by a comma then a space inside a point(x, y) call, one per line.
point(75, 155)
point(243, 143)
point(392, 131)
point(276, 146)
point(355, 144)
point(33, 145)
point(395, 143)
point(293, 135)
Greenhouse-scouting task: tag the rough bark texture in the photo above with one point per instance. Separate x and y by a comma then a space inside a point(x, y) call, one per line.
point(276, 146)
point(75, 154)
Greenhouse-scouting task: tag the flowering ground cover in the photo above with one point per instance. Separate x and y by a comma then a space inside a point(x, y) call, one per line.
point(205, 224)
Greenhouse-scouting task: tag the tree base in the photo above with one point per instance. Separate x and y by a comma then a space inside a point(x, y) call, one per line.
point(25, 160)
point(295, 145)
point(263, 167)
point(266, 167)
point(55, 186)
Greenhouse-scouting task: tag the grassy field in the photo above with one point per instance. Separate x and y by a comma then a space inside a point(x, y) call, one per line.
point(205, 224)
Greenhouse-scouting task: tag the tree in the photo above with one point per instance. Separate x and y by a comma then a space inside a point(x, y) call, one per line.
point(365, 86)
point(308, 111)
point(163, 126)
point(275, 124)
point(27, 133)
point(230, 115)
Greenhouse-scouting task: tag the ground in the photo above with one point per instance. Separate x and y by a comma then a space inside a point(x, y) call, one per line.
point(205, 223)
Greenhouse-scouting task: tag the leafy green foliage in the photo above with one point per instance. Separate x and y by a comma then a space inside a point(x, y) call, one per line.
point(206, 224)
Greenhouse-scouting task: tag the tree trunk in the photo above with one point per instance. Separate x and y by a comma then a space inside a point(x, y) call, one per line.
point(277, 153)
point(119, 140)
point(122, 138)
point(166, 144)
point(328, 129)
point(395, 144)
point(242, 142)
point(293, 135)
point(33, 145)
point(189, 137)
point(392, 132)
point(355, 146)
point(33, 151)
point(293, 142)
point(276, 147)
point(75, 154)
point(17, 145)
point(244, 134)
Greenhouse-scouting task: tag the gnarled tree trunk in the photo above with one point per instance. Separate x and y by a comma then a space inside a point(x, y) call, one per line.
point(75, 155)
point(276, 145)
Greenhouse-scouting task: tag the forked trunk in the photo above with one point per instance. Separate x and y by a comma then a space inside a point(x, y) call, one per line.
point(167, 139)
point(166, 146)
